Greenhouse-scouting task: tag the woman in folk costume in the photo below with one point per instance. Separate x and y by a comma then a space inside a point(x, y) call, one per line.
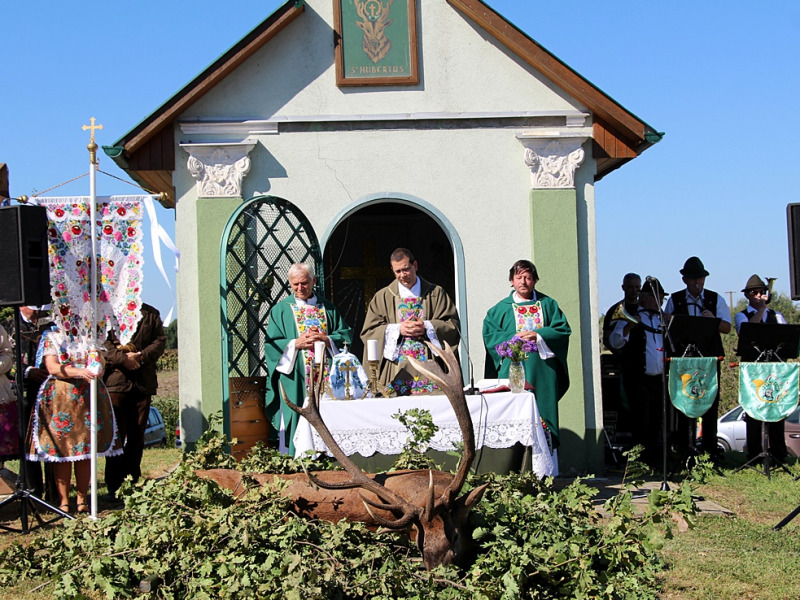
point(532, 316)
point(295, 324)
point(61, 426)
point(9, 437)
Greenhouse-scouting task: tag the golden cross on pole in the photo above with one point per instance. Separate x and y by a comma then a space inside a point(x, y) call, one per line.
point(92, 147)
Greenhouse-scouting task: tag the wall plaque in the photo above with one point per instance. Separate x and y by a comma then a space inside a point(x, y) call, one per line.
point(375, 42)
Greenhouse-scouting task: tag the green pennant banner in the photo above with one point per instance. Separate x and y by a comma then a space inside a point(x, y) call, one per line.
point(693, 384)
point(768, 391)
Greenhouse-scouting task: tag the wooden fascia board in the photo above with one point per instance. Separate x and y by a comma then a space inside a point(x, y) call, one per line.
point(552, 68)
point(204, 82)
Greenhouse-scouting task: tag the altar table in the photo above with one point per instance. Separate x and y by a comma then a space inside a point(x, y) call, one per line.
point(366, 427)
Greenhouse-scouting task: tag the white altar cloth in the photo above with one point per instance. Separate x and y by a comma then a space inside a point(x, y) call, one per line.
point(366, 426)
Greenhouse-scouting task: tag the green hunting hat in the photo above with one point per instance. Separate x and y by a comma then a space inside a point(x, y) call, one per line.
point(693, 268)
point(755, 283)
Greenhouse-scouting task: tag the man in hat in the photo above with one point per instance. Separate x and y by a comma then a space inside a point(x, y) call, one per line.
point(757, 294)
point(642, 343)
point(696, 301)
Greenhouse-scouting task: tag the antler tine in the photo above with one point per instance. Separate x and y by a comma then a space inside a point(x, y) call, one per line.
point(357, 477)
point(453, 387)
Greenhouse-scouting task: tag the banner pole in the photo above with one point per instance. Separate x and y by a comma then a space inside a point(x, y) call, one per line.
point(92, 147)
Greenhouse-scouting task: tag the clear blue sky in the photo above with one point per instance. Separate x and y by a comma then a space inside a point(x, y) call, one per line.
point(720, 78)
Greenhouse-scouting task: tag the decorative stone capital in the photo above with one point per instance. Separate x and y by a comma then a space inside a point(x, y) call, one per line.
point(219, 168)
point(553, 160)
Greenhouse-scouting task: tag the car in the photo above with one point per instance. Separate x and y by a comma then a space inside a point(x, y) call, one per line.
point(732, 431)
point(155, 434)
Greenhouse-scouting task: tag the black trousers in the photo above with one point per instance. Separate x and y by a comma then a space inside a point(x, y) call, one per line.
point(131, 410)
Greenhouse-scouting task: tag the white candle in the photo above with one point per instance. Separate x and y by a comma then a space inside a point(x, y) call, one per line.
point(372, 349)
point(319, 352)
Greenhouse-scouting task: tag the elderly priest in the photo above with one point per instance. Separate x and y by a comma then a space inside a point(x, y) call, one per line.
point(295, 324)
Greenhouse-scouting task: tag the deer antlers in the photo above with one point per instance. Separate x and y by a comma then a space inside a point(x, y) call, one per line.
point(450, 382)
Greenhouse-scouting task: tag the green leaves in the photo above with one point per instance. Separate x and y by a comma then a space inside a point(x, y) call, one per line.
point(191, 540)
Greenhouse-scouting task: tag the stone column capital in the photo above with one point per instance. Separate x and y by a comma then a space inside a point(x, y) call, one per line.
point(553, 160)
point(219, 168)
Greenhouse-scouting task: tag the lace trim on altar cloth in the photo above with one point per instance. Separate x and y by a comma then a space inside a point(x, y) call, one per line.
point(499, 434)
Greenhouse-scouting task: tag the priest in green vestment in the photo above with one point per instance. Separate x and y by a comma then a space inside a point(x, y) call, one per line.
point(532, 316)
point(295, 324)
point(401, 318)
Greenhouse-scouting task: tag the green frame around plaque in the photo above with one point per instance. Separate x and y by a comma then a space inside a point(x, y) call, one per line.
point(375, 42)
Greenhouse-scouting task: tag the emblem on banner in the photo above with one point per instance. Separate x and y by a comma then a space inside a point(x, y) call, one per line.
point(694, 385)
point(771, 390)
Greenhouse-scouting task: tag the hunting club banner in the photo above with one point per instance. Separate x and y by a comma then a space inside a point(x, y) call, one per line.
point(119, 267)
point(768, 391)
point(693, 384)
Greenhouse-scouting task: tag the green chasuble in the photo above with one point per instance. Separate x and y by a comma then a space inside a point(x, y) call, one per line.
point(549, 378)
point(282, 329)
point(437, 307)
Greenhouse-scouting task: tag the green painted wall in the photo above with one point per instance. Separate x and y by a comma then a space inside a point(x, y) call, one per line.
point(555, 244)
point(212, 216)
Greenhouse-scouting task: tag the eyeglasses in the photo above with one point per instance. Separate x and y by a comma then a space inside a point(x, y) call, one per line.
point(757, 292)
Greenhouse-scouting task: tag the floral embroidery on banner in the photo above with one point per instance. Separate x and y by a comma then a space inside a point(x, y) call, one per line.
point(528, 318)
point(308, 317)
point(119, 268)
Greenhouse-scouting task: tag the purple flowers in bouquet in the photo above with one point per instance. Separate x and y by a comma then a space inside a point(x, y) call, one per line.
point(516, 349)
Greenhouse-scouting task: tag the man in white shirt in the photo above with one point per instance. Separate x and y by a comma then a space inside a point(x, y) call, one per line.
point(757, 311)
point(646, 405)
point(696, 301)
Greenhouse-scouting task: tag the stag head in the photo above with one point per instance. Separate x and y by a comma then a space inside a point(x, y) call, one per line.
point(436, 514)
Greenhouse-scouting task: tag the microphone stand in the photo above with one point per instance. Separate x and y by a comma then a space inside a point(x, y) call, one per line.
point(664, 391)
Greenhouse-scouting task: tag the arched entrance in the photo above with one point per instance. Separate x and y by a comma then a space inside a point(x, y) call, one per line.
point(356, 255)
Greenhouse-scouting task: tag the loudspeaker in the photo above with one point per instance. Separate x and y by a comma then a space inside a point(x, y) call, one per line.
point(793, 221)
point(24, 266)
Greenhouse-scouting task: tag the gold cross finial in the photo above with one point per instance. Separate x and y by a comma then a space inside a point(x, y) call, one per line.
point(92, 147)
point(92, 127)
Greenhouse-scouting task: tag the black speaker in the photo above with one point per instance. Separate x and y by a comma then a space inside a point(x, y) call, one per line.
point(793, 221)
point(24, 266)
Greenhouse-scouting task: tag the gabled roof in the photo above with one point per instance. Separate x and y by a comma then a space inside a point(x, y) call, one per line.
point(147, 151)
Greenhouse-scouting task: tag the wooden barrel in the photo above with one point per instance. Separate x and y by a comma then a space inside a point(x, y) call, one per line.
point(248, 422)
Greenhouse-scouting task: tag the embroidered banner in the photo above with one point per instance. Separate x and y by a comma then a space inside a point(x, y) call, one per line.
point(768, 391)
point(693, 384)
point(119, 267)
point(529, 317)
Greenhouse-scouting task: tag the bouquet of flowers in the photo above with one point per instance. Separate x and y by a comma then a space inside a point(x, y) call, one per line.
point(516, 349)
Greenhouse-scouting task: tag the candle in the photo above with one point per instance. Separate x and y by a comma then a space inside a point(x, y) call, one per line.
point(319, 352)
point(372, 349)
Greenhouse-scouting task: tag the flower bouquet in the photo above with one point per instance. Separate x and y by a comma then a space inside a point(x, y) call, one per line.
point(516, 349)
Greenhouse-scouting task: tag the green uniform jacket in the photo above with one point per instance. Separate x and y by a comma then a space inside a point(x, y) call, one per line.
point(550, 377)
point(281, 330)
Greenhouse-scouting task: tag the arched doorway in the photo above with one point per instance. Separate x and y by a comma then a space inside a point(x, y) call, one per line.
point(356, 255)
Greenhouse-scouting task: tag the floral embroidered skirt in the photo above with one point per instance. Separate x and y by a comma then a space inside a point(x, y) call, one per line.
point(60, 428)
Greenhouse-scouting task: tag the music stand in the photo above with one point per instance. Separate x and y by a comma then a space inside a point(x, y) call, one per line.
point(692, 336)
point(767, 342)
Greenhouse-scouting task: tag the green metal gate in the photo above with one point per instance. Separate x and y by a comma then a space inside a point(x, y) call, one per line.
point(263, 238)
